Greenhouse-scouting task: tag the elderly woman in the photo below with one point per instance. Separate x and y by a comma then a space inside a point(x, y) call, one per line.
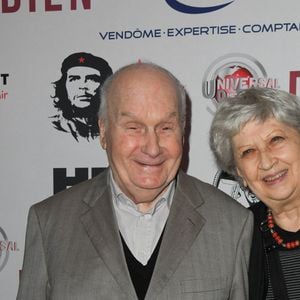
point(255, 137)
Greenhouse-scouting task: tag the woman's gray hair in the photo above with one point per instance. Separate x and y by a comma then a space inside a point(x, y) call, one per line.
point(252, 104)
point(180, 91)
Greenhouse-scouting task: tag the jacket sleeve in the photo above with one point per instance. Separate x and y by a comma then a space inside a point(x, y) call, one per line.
point(34, 278)
point(239, 287)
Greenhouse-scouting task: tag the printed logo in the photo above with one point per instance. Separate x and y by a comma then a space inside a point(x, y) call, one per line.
point(62, 180)
point(294, 82)
point(3, 254)
point(9, 6)
point(231, 73)
point(189, 9)
point(77, 95)
point(227, 184)
point(3, 83)
point(6, 247)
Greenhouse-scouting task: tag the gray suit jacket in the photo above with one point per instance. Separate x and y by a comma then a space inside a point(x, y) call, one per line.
point(73, 248)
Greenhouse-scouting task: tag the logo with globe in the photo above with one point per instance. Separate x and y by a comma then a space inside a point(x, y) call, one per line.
point(231, 73)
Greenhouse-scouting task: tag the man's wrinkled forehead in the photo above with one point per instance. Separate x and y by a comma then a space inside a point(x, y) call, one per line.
point(138, 79)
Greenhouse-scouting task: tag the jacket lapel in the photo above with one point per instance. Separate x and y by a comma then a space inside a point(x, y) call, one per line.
point(101, 227)
point(183, 226)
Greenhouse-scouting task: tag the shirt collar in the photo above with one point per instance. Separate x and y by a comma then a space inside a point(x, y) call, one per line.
point(121, 200)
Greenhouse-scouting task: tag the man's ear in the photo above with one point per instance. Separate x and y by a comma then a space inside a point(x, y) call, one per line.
point(102, 135)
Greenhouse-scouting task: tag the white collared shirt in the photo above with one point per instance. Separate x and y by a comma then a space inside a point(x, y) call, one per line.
point(141, 231)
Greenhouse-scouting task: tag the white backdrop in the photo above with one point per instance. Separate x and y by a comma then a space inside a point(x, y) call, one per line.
point(259, 36)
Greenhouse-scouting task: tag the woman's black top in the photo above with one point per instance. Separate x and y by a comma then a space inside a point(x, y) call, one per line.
point(274, 272)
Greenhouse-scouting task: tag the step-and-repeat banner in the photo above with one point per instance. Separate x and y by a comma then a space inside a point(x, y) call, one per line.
point(214, 47)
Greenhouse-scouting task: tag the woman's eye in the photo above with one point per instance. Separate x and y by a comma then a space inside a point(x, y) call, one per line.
point(247, 152)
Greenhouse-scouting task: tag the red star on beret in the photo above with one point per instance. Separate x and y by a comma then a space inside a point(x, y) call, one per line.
point(81, 60)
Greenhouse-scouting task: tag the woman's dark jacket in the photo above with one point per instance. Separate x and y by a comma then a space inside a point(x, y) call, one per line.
point(258, 265)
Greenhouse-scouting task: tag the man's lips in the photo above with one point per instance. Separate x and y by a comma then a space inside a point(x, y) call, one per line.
point(85, 97)
point(150, 163)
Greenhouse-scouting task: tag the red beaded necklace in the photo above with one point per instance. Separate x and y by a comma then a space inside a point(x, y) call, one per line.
point(279, 240)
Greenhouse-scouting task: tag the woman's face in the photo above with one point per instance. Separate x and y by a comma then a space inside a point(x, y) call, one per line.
point(267, 156)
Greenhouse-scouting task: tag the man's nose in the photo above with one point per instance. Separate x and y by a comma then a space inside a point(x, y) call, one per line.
point(151, 145)
point(83, 84)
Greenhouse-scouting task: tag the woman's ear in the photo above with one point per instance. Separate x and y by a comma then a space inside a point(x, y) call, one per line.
point(242, 179)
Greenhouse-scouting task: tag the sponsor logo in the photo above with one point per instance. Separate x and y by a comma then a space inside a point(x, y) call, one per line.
point(231, 73)
point(189, 9)
point(294, 82)
point(62, 180)
point(3, 83)
point(6, 246)
point(227, 184)
point(12, 6)
point(199, 31)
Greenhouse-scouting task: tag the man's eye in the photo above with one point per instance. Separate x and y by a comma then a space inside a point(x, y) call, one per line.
point(94, 78)
point(167, 127)
point(277, 139)
point(132, 127)
point(73, 78)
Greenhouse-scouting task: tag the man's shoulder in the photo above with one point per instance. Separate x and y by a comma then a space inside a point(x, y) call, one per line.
point(211, 195)
point(218, 209)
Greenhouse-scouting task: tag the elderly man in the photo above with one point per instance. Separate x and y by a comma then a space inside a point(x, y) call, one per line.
point(142, 229)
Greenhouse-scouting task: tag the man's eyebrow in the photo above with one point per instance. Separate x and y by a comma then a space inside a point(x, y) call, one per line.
point(93, 76)
point(130, 114)
point(127, 114)
point(73, 76)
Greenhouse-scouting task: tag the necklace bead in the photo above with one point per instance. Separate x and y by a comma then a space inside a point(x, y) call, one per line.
point(278, 239)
